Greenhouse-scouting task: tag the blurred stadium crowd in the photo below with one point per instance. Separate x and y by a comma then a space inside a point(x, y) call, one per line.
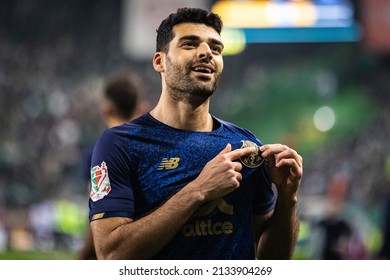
point(54, 56)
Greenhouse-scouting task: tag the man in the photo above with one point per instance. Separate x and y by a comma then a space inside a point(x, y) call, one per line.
point(122, 102)
point(175, 183)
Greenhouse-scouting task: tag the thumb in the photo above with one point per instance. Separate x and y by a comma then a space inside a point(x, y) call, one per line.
point(227, 149)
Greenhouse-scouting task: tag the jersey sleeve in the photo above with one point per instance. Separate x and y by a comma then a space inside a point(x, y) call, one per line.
point(264, 198)
point(111, 192)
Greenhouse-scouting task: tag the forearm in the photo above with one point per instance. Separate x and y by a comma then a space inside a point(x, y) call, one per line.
point(144, 238)
point(280, 233)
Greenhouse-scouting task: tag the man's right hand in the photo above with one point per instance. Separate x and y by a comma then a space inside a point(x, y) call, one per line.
point(222, 174)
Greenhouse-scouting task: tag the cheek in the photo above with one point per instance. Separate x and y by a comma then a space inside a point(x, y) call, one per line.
point(220, 65)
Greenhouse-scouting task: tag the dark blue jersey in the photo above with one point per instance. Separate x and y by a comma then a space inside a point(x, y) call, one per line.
point(141, 164)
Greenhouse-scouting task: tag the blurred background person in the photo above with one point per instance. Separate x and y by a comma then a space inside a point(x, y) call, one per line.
point(337, 231)
point(337, 235)
point(123, 100)
point(385, 248)
point(384, 252)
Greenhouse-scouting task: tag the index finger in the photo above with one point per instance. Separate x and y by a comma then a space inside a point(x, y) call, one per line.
point(235, 154)
point(269, 149)
point(280, 150)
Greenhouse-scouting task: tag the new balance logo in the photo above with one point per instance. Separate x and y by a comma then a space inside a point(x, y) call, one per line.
point(170, 163)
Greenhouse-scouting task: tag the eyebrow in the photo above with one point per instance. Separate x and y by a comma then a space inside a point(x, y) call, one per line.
point(197, 38)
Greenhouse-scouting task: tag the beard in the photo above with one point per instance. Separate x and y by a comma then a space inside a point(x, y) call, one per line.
point(182, 86)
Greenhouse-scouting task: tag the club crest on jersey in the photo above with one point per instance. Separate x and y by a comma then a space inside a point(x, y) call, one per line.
point(253, 160)
point(100, 182)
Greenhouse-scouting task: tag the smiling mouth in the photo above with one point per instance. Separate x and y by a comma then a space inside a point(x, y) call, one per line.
point(204, 70)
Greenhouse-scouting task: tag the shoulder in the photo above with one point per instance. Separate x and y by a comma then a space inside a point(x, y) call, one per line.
point(230, 125)
point(116, 139)
point(146, 120)
point(234, 127)
point(122, 131)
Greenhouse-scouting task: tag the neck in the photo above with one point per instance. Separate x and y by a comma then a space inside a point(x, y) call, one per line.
point(183, 115)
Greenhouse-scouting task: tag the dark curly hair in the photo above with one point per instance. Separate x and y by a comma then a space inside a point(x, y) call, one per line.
point(192, 15)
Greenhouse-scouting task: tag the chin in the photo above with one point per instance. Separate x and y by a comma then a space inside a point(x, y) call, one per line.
point(203, 92)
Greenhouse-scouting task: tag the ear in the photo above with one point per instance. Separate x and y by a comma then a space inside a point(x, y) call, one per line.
point(158, 62)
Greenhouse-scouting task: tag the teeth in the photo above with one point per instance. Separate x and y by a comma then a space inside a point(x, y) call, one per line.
point(201, 69)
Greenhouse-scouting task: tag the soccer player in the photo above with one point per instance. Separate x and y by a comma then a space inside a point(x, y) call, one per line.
point(122, 102)
point(180, 183)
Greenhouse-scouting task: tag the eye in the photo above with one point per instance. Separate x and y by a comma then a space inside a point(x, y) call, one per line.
point(188, 44)
point(216, 49)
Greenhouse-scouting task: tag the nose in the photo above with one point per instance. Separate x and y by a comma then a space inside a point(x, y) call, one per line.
point(204, 51)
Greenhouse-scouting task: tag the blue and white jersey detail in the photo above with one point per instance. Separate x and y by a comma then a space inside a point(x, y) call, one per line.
point(147, 162)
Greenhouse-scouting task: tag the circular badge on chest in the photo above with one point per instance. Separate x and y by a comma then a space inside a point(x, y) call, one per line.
point(253, 160)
